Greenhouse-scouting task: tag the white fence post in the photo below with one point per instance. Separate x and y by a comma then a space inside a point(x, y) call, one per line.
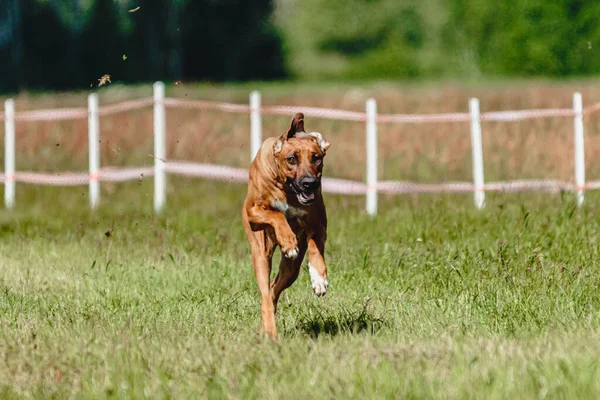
point(9, 153)
point(160, 187)
point(94, 149)
point(255, 124)
point(371, 206)
point(477, 153)
point(579, 153)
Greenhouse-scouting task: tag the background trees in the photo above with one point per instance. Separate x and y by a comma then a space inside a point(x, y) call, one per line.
point(69, 44)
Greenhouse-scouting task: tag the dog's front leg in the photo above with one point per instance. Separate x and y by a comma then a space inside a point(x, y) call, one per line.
point(286, 238)
point(316, 264)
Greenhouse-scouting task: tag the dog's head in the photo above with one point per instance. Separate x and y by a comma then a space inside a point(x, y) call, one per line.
point(300, 159)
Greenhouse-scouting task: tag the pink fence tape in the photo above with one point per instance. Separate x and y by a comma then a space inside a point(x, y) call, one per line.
point(207, 105)
point(58, 179)
point(125, 106)
point(530, 185)
point(69, 114)
point(400, 187)
point(106, 174)
point(327, 113)
point(214, 172)
point(114, 174)
point(592, 185)
point(591, 109)
point(526, 114)
point(240, 175)
point(343, 186)
point(62, 114)
point(59, 114)
point(423, 118)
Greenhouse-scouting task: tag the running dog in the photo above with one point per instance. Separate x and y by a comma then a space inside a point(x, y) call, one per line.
point(284, 208)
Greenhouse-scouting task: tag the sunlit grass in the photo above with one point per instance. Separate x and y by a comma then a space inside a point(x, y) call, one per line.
point(431, 299)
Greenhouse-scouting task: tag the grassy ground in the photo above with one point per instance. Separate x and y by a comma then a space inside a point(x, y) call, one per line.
point(429, 300)
point(432, 299)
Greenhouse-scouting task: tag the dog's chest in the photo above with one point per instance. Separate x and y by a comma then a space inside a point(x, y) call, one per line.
point(290, 212)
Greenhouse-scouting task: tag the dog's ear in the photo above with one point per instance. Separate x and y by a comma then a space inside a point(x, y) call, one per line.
point(296, 126)
point(323, 144)
point(277, 147)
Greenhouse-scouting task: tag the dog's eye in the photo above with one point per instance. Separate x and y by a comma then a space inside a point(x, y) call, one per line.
point(317, 160)
point(291, 160)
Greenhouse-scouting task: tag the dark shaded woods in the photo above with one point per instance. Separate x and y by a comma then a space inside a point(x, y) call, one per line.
point(62, 45)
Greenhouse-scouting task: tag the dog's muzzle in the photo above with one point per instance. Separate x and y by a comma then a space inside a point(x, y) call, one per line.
point(305, 189)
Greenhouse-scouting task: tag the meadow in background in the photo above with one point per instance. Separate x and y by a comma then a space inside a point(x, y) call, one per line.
point(433, 152)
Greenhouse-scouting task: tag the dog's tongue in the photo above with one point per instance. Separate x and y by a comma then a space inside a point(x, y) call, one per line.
point(307, 196)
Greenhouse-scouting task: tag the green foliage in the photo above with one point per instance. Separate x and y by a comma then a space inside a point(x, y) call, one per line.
point(396, 39)
point(531, 37)
point(362, 39)
point(62, 44)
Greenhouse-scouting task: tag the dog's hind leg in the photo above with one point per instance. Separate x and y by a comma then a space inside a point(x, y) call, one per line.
point(287, 275)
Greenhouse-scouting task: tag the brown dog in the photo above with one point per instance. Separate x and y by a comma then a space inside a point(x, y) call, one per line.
point(284, 207)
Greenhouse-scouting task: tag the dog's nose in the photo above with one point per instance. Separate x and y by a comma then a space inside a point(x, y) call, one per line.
point(310, 183)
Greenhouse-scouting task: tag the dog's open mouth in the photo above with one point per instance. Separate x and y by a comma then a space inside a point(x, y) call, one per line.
point(305, 198)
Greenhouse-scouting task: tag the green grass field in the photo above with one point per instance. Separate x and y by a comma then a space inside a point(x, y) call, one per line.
point(431, 299)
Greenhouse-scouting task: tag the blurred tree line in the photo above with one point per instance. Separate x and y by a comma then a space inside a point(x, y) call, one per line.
point(433, 38)
point(66, 44)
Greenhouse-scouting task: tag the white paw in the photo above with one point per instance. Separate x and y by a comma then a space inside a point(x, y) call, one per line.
point(293, 253)
point(319, 284)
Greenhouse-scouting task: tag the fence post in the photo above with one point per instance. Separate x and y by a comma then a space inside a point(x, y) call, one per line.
point(9, 153)
point(477, 153)
point(255, 124)
point(371, 203)
point(94, 149)
point(160, 187)
point(579, 153)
